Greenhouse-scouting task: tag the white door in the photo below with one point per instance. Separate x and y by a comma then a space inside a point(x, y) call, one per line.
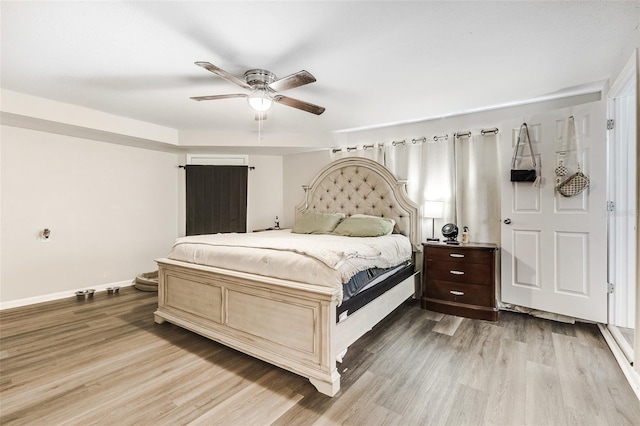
point(554, 249)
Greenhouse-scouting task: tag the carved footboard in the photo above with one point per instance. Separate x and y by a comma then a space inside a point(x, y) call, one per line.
point(287, 324)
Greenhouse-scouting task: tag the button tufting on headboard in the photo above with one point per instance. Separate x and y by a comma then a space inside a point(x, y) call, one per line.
point(360, 185)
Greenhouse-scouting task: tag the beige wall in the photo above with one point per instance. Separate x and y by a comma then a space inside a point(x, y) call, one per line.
point(264, 196)
point(111, 209)
point(299, 169)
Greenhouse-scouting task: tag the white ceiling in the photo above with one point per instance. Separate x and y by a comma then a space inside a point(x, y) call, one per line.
point(376, 63)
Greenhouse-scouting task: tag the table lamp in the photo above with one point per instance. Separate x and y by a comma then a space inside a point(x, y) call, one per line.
point(433, 210)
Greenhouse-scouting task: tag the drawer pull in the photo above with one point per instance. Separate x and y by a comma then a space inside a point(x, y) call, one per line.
point(456, 255)
point(456, 272)
point(456, 293)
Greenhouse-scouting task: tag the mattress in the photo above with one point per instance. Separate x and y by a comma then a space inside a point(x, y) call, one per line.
point(324, 260)
point(383, 281)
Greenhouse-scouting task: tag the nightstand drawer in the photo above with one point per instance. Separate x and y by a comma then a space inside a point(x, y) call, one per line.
point(457, 254)
point(471, 294)
point(472, 273)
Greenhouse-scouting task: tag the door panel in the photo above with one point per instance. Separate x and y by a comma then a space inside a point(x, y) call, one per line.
point(554, 248)
point(571, 260)
point(527, 264)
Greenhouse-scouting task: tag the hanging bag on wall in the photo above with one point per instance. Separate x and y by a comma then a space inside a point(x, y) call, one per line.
point(523, 175)
point(577, 182)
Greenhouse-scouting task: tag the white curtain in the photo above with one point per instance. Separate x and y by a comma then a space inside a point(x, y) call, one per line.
point(405, 162)
point(478, 187)
point(428, 168)
point(462, 173)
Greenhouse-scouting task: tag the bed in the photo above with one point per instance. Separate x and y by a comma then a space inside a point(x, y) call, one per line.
point(293, 324)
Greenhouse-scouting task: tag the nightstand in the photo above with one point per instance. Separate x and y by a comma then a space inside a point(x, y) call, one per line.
point(460, 280)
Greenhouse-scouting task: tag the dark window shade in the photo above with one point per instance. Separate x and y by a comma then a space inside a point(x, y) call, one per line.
point(216, 199)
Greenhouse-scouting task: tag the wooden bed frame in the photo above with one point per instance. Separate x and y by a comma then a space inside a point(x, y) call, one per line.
point(291, 324)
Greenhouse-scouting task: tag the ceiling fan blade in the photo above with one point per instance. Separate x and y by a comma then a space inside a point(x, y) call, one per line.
point(222, 73)
point(261, 116)
point(214, 97)
point(294, 80)
point(295, 103)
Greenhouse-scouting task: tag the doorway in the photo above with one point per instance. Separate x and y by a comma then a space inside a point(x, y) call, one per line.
point(622, 211)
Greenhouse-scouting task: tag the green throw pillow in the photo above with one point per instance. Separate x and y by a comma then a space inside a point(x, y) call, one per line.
point(317, 223)
point(364, 227)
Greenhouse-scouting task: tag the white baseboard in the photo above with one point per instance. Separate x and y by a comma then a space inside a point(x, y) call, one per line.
point(57, 296)
point(632, 376)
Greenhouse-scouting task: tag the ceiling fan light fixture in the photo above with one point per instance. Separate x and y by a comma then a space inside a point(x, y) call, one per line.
point(260, 100)
point(265, 89)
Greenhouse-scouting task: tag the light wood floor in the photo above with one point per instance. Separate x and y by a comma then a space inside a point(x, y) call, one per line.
point(628, 334)
point(104, 361)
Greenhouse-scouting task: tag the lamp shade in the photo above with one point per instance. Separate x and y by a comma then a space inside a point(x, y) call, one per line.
point(260, 100)
point(433, 209)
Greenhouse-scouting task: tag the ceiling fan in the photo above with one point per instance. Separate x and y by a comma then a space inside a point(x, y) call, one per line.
point(264, 87)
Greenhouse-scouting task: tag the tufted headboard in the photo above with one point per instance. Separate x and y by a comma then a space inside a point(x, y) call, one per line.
point(359, 185)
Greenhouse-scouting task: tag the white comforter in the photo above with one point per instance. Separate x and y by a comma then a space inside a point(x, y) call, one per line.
point(326, 260)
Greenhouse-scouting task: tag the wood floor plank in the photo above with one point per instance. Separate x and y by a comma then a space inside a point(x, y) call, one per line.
point(539, 342)
point(236, 409)
point(574, 371)
point(615, 403)
point(507, 402)
point(589, 334)
point(448, 325)
point(474, 403)
point(515, 325)
point(478, 345)
point(544, 400)
point(347, 404)
point(105, 361)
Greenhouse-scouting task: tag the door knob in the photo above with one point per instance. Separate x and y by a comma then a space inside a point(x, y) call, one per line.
point(507, 221)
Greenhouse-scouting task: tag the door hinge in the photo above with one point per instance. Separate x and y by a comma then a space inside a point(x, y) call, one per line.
point(610, 124)
point(611, 206)
point(611, 288)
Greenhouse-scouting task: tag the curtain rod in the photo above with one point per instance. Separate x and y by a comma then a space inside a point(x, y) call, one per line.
point(422, 139)
point(180, 166)
point(483, 132)
point(487, 131)
point(353, 148)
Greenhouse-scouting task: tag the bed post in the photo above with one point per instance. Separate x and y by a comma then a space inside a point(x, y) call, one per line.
point(306, 196)
point(328, 388)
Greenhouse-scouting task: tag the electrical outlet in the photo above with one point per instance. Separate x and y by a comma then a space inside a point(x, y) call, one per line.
point(45, 235)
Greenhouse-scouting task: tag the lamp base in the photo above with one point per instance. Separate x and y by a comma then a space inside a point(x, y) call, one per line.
point(433, 239)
